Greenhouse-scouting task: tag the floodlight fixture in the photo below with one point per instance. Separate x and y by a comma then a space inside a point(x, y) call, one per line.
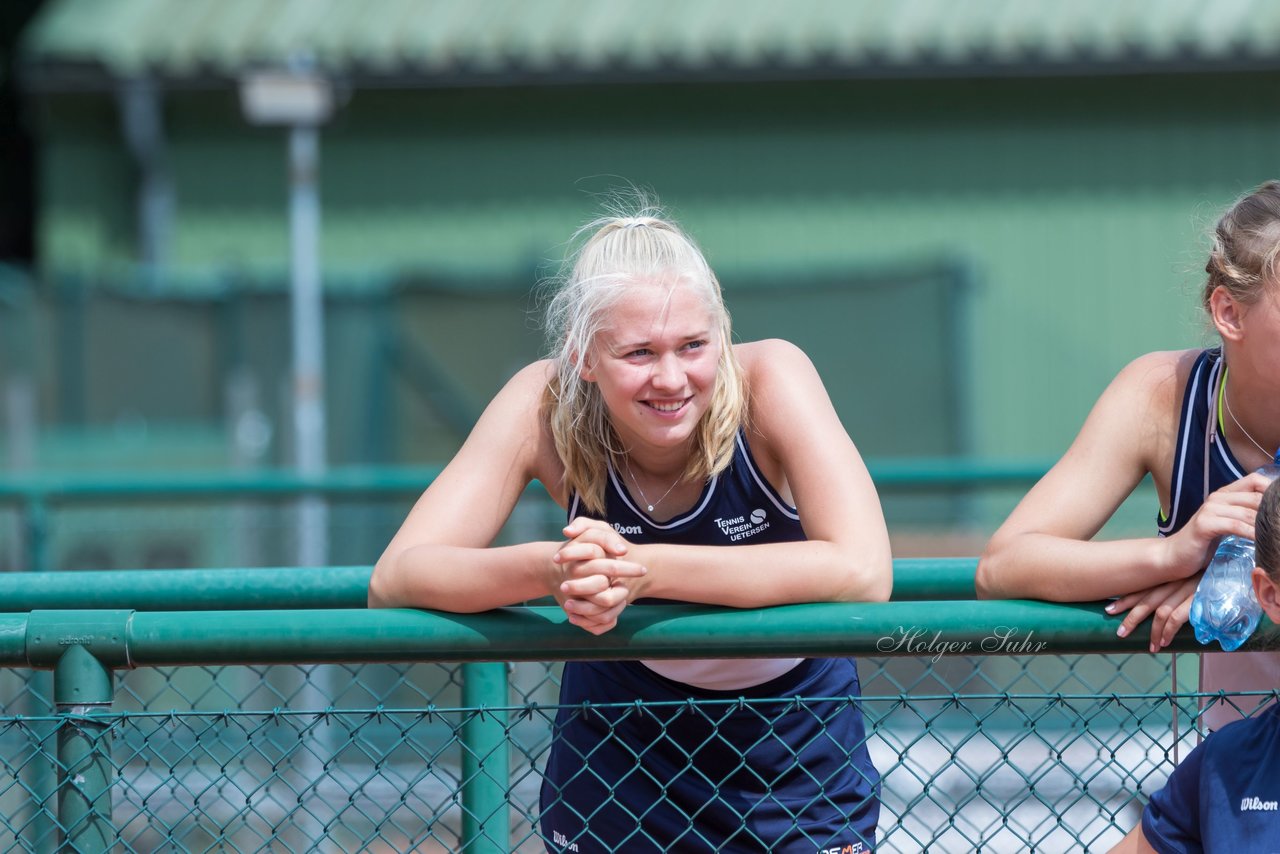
point(286, 97)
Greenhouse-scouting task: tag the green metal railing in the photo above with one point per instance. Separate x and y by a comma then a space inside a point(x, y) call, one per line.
point(38, 497)
point(85, 647)
point(124, 638)
point(327, 587)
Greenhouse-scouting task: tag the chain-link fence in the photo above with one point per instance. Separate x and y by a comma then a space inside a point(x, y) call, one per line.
point(1000, 752)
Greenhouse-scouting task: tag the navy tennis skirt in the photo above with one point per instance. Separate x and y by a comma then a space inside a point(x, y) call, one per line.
point(724, 773)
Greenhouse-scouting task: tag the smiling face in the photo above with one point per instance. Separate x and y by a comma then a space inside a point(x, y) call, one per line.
point(639, 339)
point(654, 362)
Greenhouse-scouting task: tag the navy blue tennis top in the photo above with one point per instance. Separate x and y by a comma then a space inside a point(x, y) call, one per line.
point(1225, 796)
point(736, 507)
point(1202, 462)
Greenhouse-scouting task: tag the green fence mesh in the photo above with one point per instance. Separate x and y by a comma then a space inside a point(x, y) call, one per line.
point(341, 758)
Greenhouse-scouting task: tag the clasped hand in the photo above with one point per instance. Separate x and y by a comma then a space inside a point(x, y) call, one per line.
point(595, 581)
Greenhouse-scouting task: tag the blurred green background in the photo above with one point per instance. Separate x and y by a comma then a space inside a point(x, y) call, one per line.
point(971, 215)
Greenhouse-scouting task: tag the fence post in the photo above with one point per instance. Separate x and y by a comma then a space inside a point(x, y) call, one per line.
point(82, 691)
point(40, 833)
point(486, 775)
point(37, 533)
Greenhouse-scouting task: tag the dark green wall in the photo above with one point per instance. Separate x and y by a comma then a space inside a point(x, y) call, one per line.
point(1075, 206)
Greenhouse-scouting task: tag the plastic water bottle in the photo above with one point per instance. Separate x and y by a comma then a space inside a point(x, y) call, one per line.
point(1224, 608)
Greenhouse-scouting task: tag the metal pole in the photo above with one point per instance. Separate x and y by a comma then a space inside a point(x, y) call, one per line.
point(142, 125)
point(20, 422)
point(486, 775)
point(37, 539)
point(40, 833)
point(307, 317)
point(20, 452)
point(82, 692)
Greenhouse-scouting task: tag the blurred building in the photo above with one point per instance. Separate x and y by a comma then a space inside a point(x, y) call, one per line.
point(971, 214)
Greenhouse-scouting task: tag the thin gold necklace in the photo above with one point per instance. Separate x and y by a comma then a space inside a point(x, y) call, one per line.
point(1227, 400)
point(649, 505)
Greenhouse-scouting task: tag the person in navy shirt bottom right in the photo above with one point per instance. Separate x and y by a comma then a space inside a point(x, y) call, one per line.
point(1225, 796)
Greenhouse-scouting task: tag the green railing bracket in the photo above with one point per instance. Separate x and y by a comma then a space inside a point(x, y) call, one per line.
point(80, 679)
point(103, 634)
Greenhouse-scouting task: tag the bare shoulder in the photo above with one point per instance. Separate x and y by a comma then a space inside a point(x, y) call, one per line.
point(1158, 376)
point(781, 381)
point(532, 379)
point(1151, 387)
point(787, 400)
point(761, 356)
point(517, 418)
point(520, 401)
point(775, 367)
point(1148, 394)
point(1132, 429)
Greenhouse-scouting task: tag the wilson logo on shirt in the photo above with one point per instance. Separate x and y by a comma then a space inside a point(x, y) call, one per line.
point(560, 839)
point(1247, 804)
point(740, 527)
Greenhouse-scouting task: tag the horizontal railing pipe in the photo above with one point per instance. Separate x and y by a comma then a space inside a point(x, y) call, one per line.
point(37, 495)
point(13, 640)
point(934, 578)
point(122, 639)
point(889, 473)
point(390, 480)
point(955, 472)
point(187, 589)
point(280, 588)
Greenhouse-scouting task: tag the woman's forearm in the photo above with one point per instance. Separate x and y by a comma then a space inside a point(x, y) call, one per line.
point(767, 574)
point(1059, 569)
point(466, 580)
point(460, 579)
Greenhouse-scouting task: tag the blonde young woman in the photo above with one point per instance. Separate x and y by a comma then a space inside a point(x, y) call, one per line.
point(691, 469)
point(1199, 422)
